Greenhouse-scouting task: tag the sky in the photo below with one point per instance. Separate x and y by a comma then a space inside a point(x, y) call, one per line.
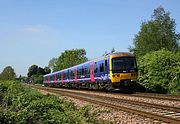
point(35, 31)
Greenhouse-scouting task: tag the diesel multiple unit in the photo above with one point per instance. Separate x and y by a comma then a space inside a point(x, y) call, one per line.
point(113, 71)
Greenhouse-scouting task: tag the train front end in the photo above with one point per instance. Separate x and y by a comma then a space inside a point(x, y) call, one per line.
point(123, 70)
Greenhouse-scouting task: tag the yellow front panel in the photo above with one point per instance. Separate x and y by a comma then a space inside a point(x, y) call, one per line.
point(123, 76)
point(117, 77)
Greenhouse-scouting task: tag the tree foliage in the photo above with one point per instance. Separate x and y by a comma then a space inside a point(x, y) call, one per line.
point(33, 70)
point(40, 71)
point(35, 73)
point(159, 71)
point(52, 63)
point(47, 70)
point(70, 58)
point(8, 73)
point(157, 33)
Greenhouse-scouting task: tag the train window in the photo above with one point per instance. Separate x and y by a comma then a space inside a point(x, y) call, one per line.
point(102, 67)
point(64, 76)
point(60, 75)
point(72, 74)
point(95, 68)
point(86, 70)
point(51, 78)
point(57, 76)
point(79, 72)
point(83, 71)
point(105, 62)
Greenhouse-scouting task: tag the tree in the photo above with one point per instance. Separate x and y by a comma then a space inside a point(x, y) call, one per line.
point(47, 70)
point(8, 74)
point(52, 62)
point(159, 71)
point(40, 71)
point(38, 79)
point(33, 70)
point(70, 58)
point(158, 33)
point(35, 73)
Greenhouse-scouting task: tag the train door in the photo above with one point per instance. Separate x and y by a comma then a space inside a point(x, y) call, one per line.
point(62, 76)
point(75, 74)
point(106, 66)
point(55, 80)
point(92, 72)
point(68, 75)
point(49, 80)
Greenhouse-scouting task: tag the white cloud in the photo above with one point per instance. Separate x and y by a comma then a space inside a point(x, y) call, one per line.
point(32, 29)
point(35, 29)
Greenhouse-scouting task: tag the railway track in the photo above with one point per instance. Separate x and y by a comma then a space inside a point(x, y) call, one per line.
point(158, 96)
point(150, 95)
point(158, 112)
point(139, 94)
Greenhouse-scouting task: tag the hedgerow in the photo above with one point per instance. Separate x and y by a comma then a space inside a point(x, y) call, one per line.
point(160, 71)
point(20, 105)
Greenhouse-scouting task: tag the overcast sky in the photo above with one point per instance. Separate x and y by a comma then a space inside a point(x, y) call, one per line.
point(34, 31)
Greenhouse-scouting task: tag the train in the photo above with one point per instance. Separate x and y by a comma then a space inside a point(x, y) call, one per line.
point(114, 71)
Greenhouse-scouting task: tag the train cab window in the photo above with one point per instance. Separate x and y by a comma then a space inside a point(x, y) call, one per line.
point(102, 67)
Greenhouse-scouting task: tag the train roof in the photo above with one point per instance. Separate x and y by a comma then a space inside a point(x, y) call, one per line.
point(121, 54)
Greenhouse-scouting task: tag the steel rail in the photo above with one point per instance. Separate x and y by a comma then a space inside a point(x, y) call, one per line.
point(158, 96)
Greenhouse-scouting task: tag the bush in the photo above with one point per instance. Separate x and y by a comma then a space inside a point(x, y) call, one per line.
point(37, 79)
point(160, 71)
point(21, 105)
